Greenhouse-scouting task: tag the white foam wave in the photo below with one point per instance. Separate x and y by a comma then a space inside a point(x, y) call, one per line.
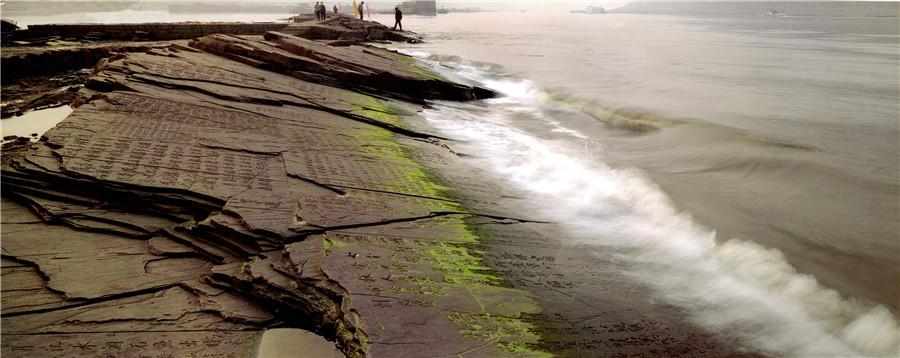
point(414, 53)
point(736, 287)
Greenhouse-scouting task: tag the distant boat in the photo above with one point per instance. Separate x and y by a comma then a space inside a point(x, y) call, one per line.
point(590, 9)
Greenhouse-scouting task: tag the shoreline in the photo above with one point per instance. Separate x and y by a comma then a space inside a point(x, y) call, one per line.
point(229, 180)
point(204, 192)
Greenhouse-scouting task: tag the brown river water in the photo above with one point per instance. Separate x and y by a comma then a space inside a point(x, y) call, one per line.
point(749, 164)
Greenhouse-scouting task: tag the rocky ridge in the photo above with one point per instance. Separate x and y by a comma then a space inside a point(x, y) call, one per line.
point(44, 66)
point(200, 194)
point(205, 191)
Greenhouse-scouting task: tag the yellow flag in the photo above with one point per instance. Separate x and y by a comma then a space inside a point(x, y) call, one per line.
point(355, 9)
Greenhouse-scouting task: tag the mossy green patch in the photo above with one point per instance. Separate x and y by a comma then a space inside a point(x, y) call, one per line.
point(370, 107)
point(501, 307)
point(416, 67)
point(381, 145)
point(329, 243)
point(419, 290)
point(379, 116)
point(459, 265)
point(453, 253)
point(418, 280)
point(511, 334)
point(524, 350)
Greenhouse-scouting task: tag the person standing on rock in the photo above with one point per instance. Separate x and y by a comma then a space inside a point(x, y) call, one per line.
point(316, 11)
point(398, 15)
point(335, 9)
point(324, 11)
point(360, 8)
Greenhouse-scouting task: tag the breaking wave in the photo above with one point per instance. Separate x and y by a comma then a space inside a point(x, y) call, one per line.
point(731, 286)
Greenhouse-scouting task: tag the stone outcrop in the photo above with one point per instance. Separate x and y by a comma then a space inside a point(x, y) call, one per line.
point(361, 68)
point(29, 62)
point(145, 31)
point(345, 28)
point(198, 196)
point(40, 77)
point(204, 192)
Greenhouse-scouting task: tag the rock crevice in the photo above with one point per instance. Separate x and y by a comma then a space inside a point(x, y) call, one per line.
point(239, 184)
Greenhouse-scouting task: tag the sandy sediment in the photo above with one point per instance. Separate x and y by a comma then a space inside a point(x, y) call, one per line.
point(205, 192)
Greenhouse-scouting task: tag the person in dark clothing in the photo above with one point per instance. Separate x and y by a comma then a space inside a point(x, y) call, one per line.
point(316, 11)
point(335, 9)
point(398, 15)
point(360, 8)
point(324, 11)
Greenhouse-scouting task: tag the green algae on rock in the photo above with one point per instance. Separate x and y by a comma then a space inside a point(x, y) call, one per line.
point(236, 184)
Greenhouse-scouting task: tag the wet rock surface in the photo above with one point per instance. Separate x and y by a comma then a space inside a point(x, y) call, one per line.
point(202, 193)
point(361, 68)
point(48, 70)
point(193, 200)
point(345, 29)
point(35, 78)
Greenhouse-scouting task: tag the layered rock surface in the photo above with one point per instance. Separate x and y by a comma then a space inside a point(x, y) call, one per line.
point(205, 191)
point(200, 195)
point(342, 29)
point(35, 78)
point(48, 71)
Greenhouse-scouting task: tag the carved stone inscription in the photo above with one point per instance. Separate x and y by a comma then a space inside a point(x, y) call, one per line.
point(201, 344)
point(165, 164)
point(359, 171)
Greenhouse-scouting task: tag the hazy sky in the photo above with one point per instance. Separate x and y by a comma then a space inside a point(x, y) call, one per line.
point(518, 2)
point(486, 4)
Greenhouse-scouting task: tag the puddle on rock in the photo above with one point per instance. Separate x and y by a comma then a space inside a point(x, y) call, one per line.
point(292, 342)
point(33, 122)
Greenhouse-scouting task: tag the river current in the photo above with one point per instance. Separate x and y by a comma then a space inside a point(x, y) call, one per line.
point(747, 166)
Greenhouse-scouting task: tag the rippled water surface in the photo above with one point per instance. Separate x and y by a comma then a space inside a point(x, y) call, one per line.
point(748, 164)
